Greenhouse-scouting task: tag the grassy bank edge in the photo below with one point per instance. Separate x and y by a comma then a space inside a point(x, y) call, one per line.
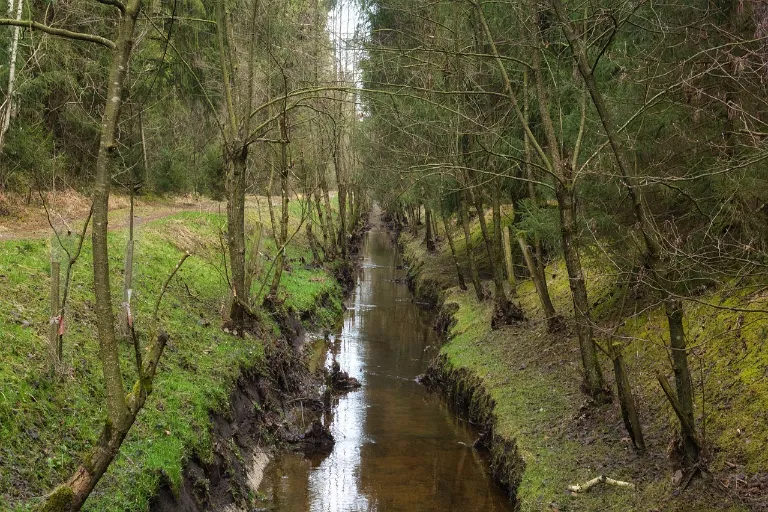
point(524, 383)
point(46, 425)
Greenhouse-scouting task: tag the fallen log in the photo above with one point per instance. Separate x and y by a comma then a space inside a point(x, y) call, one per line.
point(602, 479)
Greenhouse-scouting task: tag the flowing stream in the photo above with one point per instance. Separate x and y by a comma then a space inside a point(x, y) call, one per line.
point(398, 446)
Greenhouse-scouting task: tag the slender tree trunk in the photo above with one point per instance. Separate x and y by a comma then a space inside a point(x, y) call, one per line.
point(313, 244)
point(554, 321)
point(8, 111)
point(53, 335)
point(627, 401)
point(236, 234)
point(502, 248)
point(283, 238)
point(121, 411)
point(683, 383)
point(330, 224)
point(473, 273)
point(253, 267)
point(539, 267)
point(144, 158)
point(352, 202)
point(322, 223)
point(128, 273)
point(270, 206)
point(506, 241)
point(459, 273)
point(342, 190)
point(593, 376)
point(505, 311)
point(428, 238)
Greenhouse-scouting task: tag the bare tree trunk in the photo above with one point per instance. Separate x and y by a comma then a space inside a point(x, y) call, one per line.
point(593, 376)
point(8, 111)
point(352, 199)
point(321, 221)
point(627, 401)
point(128, 273)
point(507, 243)
point(283, 238)
point(121, 410)
point(473, 273)
point(236, 235)
point(144, 159)
point(428, 238)
point(503, 250)
point(272, 221)
point(342, 190)
point(459, 273)
point(505, 311)
point(554, 321)
point(329, 223)
point(53, 335)
point(313, 244)
point(684, 386)
point(253, 267)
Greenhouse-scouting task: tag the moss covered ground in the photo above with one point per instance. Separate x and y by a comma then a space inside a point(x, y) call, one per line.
point(47, 424)
point(533, 378)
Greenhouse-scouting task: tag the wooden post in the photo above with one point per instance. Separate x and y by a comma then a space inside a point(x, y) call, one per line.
point(128, 272)
point(508, 256)
point(55, 317)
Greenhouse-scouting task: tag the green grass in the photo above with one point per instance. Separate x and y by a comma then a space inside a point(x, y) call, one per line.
point(47, 425)
point(534, 378)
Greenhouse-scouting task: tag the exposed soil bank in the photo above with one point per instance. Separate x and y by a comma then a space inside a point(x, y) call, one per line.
point(467, 393)
point(263, 415)
point(521, 386)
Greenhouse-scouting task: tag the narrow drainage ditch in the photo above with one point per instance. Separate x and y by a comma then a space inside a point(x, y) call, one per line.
point(398, 446)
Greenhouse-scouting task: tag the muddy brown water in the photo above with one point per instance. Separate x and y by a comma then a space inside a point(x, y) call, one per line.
point(398, 446)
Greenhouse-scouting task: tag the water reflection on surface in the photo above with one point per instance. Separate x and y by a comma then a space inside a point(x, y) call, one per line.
point(397, 446)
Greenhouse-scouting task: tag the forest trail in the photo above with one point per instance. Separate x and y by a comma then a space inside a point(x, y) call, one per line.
point(32, 222)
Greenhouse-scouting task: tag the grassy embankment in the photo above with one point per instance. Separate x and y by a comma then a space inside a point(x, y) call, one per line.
point(47, 425)
point(532, 380)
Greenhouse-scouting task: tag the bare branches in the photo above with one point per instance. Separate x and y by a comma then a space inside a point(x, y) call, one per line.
point(166, 283)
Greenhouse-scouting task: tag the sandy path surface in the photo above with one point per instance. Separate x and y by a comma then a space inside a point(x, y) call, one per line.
point(35, 224)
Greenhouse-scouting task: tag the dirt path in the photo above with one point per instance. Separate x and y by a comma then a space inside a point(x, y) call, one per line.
point(32, 222)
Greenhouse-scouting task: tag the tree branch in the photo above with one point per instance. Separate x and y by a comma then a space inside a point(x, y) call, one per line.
point(68, 34)
point(167, 281)
point(114, 3)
